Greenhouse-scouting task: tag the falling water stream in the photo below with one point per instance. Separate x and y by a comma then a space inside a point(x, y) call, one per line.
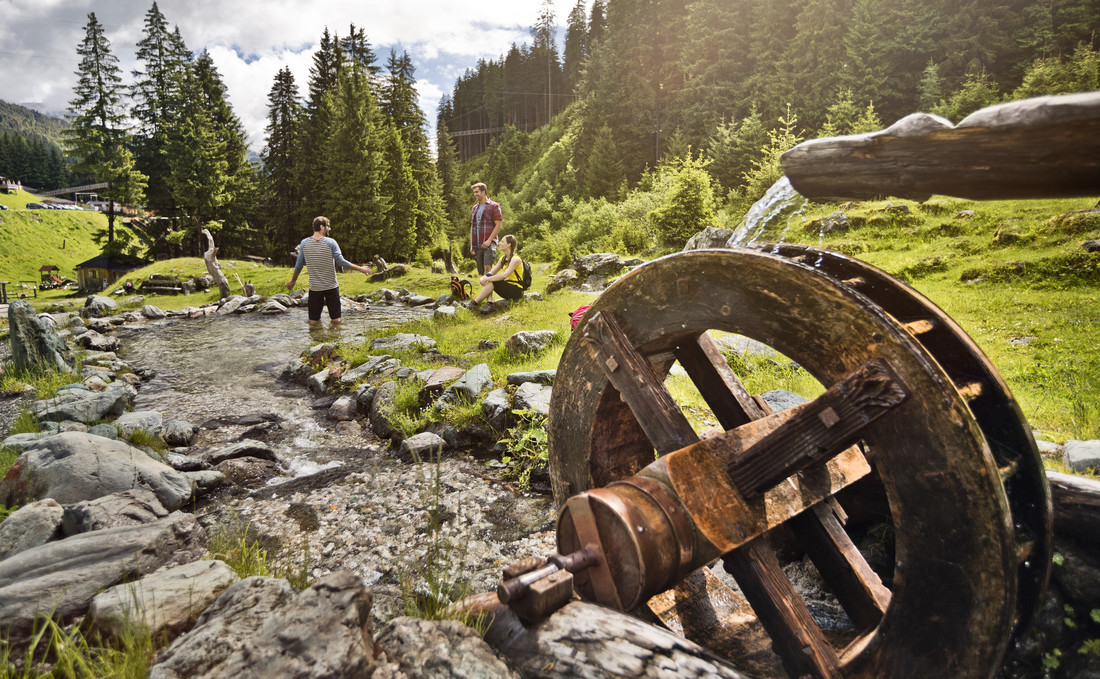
point(772, 213)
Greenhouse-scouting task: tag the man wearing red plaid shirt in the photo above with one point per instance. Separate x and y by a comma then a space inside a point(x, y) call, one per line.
point(485, 218)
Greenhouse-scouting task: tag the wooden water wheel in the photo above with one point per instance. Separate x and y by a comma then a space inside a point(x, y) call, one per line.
point(950, 452)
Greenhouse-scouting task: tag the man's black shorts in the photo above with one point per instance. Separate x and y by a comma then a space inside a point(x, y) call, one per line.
point(319, 299)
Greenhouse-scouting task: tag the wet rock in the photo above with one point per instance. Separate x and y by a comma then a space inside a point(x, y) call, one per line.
point(166, 602)
point(178, 433)
point(146, 420)
point(709, 237)
point(284, 299)
point(245, 448)
point(447, 649)
point(344, 409)
point(64, 575)
point(529, 341)
point(1082, 456)
point(318, 382)
point(85, 406)
point(232, 304)
point(403, 341)
point(497, 409)
point(96, 306)
point(296, 371)
point(381, 410)
point(152, 313)
point(421, 447)
point(533, 396)
point(264, 623)
point(134, 507)
point(30, 526)
point(35, 344)
point(537, 376)
point(73, 467)
point(562, 279)
point(272, 307)
point(469, 387)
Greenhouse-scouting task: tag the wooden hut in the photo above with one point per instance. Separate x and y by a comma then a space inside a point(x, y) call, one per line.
point(101, 271)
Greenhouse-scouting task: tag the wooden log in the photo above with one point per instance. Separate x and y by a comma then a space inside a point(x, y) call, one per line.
point(213, 267)
point(588, 641)
point(1046, 147)
point(1076, 502)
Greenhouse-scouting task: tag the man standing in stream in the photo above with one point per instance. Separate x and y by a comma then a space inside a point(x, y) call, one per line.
point(321, 254)
point(485, 218)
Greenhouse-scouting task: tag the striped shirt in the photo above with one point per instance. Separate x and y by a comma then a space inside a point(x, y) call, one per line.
point(320, 256)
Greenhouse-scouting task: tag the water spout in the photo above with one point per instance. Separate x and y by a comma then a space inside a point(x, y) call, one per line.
point(778, 207)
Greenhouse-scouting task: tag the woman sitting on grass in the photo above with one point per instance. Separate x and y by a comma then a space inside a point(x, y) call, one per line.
point(506, 276)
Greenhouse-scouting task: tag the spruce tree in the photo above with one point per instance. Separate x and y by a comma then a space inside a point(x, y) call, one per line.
point(576, 45)
point(98, 134)
point(317, 126)
point(398, 233)
point(281, 156)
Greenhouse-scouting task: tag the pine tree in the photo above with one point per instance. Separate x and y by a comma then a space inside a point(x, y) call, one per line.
point(452, 194)
point(98, 134)
point(317, 126)
point(597, 23)
point(576, 45)
point(281, 156)
point(399, 186)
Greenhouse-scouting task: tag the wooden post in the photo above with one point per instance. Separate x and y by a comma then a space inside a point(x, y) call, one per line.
point(213, 268)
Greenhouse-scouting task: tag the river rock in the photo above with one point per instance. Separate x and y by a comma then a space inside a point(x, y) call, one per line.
point(272, 307)
point(107, 431)
point(63, 576)
point(261, 627)
point(344, 409)
point(98, 342)
point(166, 602)
point(23, 442)
point(86, 406)
point(419, 300)
point(96, 383)
point(318, 382)
point(133, 507)
point(283, 299)
point(152, 313)
point(709, 237)
point(364, 396)
point(533, 396)
point(177, 433)
point(445, 311)
point(34, 344)
point(375, 365)
point(30, 526)
point(381, 410)
point(403, 341)
point(497, 409)
point(96, 306)
point(433, 384)
point(537, 376)
point(445, 649)
point(529, 341)
point(146, 420)
point(232, 304)
point(468, 387)
point(421, 447)
point(73, 467)
point(781, 399)
point(245, 448)
point(1082, 456)
point(248, 472)
point(205, 480)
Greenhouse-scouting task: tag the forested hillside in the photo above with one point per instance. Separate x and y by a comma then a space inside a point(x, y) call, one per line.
point(29, 147)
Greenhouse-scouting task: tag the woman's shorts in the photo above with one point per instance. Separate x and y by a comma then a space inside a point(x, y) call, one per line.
point(507, 289)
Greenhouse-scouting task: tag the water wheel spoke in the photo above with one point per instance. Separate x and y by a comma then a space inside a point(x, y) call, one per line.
point(720, 387)
point(858, 588)
point(795, 636)
point(638, 384)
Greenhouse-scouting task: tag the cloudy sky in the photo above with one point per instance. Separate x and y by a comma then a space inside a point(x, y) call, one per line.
point(250, 40)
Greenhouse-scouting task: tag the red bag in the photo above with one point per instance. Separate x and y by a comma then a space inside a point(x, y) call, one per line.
point(576, 316)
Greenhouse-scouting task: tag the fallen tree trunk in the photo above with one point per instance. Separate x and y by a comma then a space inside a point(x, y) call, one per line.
point(589, 641)
point(1076, 501)
point(1046, 147)
point(213, 267)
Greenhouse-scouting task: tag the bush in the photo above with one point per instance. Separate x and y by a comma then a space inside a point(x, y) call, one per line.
point(689, 208)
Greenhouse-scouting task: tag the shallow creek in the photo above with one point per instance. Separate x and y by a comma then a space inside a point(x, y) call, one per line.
point(342, 502)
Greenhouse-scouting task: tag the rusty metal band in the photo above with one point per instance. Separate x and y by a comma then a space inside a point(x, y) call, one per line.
point(584, 523)
point(683, 528)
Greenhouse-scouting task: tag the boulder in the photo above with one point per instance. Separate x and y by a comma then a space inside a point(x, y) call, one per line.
point(533, 396)
point(62, 576)
point(710, 237)
point(529, 341)
point(182, 462)
point(177, 433)
point(146, 420)
point(533, 296)
point(248, 472)
point(107, 431)
point(96, 306)
point(244, 448)
point(206, 480)
point(403, 341)
point(152, 313)
point(445, 649)
point(364, 396)
point(598, 264)
point(445, 311)
point(232, 304)
point(30, 526)
point(433, 384)
point(261, 626)
point(86, 406)
point(129, 508)
point(419, 300)
point(381, 410)
point(73, 467)
point(344, 409)
point(23, 442)
point(469, 387)
point(318, 382)
point(563, 278)
point(421, 447)
point(393, 271)
point(166, 602)
point(497, 409)
point(375, 365)
point(272, 307)
point(1082, 456)
point(538, 376)
point(95, 341)
point(35, 345)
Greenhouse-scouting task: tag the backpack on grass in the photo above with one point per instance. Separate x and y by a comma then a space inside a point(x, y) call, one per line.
point(461, 289)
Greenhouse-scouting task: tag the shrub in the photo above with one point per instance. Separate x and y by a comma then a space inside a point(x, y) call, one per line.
point(689, 207)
